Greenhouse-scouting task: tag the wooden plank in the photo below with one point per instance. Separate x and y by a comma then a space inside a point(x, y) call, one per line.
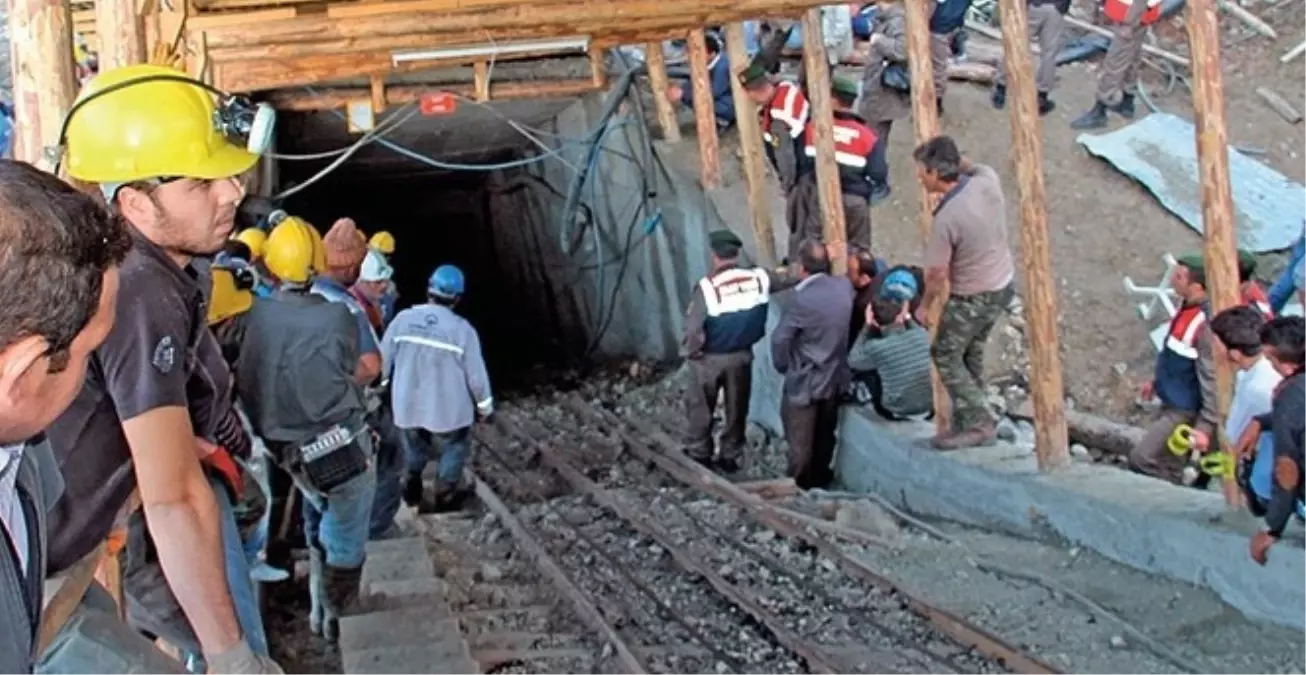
point(817, 660)
point(658, 82)
point(753, 147)
point(704, 115)
point(834, 228)
point(207, 21)
point(1220, 252)
point(599, 66)
point(1254, 22)
point(925, 117)
point(481, 81)
point(1090, 430)
point(1050, 443)
point(1294, 52)
point(670, 459)
point(120, 32)
point(1279, 104)
point(334, 98)
point(378, 94)
point(43, 75)
point(583, 604)
point(774, 488)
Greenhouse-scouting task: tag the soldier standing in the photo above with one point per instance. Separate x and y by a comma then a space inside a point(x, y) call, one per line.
point(1117, 81)
point(1046, 19)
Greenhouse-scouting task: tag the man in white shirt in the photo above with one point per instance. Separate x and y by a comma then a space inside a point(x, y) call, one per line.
point(1237, 333)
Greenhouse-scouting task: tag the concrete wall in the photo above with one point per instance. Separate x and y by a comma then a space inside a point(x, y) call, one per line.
point(661, 244)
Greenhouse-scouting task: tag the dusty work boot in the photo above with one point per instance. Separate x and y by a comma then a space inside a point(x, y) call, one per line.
point(449, 497)
point(999, 96)
point(938, 103)
point(340, 588)
point(974, 437)
point(1125, 108)
point(1093, 119)
point(316, 594)
point(1045, 104)
point(413, 489)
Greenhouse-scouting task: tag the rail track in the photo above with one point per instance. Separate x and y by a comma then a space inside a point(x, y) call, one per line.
point(654, 564)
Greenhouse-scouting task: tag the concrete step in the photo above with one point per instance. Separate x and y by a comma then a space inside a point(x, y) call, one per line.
point(397, 560)
point(401, 593)
point(399, 628)
point(409, 659)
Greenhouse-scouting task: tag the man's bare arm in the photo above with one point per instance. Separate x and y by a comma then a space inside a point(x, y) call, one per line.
point(369, 367)
point(184, 522)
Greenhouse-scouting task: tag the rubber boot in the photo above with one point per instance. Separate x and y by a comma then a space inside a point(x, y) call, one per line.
point(448, 497)
point(316, 593)
point(413, 489)
point(340, 593)
point(1045, 104)
point(938, 103)
point(1093, 119)
point(1125, 108)
point(999, 96)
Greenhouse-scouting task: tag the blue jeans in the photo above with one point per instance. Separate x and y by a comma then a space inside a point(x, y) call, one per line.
point(95, 640)
point(389, 465)
point(1281, 291)
point(337, 522)
point(450, 448)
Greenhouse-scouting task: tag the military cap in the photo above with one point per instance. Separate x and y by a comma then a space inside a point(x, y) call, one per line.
point(845, 87)
point(752, 76)
point(1196, 265)
point(724, 242)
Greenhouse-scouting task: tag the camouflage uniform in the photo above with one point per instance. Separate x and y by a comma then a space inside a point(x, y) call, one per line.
point(958, 353)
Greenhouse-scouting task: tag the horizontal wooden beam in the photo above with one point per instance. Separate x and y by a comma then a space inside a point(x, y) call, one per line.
point(507, 21)
point(334, 98)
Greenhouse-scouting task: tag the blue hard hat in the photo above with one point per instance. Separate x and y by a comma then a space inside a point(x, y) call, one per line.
point(446, 281)
point(899, 285)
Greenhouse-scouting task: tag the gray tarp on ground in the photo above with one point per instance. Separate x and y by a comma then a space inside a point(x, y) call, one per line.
point(1160, 152)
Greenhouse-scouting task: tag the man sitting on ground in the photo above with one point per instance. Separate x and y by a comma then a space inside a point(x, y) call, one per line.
point(892, 353)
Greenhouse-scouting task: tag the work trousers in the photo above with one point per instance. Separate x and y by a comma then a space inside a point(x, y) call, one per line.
point(389, 466)
point(958, 352)
point(1151, 455)
point(449, 448)
point(151, 605)
point(803, 211)
point(95, 640)
point(881, 149)
point(1045, 29)
point(940, 55)
point(812, 431)
point(337, 522)
point(708, 376)
point(1118, 74)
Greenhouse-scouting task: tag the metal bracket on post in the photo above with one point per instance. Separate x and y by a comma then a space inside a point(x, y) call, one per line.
point(1159, 295)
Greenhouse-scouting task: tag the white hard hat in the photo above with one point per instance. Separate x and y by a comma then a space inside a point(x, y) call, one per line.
point(375, 267)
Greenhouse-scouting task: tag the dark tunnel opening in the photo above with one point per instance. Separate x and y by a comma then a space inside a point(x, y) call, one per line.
point(440, 218)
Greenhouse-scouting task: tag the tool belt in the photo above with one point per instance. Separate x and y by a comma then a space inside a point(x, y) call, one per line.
point(328, 460)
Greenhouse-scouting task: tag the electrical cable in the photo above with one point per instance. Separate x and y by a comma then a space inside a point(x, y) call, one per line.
point(407, 113)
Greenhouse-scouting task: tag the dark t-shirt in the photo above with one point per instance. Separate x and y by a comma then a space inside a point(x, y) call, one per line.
point(147, 362)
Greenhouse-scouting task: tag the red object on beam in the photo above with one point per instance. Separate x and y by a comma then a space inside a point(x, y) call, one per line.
point(437, 103)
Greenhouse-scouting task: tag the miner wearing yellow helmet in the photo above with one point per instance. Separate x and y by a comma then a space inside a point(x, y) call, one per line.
point(296, 377)
point(165, 152)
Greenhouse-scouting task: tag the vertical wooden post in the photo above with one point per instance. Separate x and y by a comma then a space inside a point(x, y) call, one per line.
point(481, 80)
point(121, 34)
point(658, 82)
point(377, 83)
point(44, 74)
point(833, 228)
point(750, 141)
point(599, 67)
point(925, 116)
point(1221, 255)
point(704, 116)
point(1051, 440)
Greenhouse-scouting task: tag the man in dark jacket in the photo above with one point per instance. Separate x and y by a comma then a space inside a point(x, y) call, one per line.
point(718, 70)
point(1285, 346)
point(810, 348)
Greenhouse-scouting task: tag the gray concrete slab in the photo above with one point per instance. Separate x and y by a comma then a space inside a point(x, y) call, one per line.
point(399, 628)
point(402, 593)
point(396, 566)
point(431, 659)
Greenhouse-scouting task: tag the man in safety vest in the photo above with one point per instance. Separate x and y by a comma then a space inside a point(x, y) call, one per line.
point(169, 160)
point(784, 111)
point(1250, 291)
point(295, 377)
point(726, 317)
point(1117, 77)
point(861, 169)
point(1184, 380)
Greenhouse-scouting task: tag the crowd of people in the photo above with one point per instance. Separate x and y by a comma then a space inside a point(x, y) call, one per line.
point(151, 355)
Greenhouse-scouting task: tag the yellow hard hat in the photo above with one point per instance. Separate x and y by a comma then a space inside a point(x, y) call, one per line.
point(294, 251)
point(255, 239)
point(119, 132)
point(383, 242)
point(227, 300)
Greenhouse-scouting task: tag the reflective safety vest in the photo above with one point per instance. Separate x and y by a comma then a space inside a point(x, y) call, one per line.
point(1117, 10)
point(1176, 382)
point(853, 143)
point(1253, 295)
point(736, 301)
point(789, 107)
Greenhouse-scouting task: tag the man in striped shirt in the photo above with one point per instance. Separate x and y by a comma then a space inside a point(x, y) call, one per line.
point(892, 353)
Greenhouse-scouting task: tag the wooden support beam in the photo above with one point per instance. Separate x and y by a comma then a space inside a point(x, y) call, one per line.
point(1220, 253)
point(704, 115)
point(599, 66)
point(925, 117)
point(335, 98)
point(378, 94)
point(750, 141)
point(1050, 444)
point(580, 600)
point(834, 229)
point(120, 32)
point(481, 80)
point(658, 82)
point(43, 74)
